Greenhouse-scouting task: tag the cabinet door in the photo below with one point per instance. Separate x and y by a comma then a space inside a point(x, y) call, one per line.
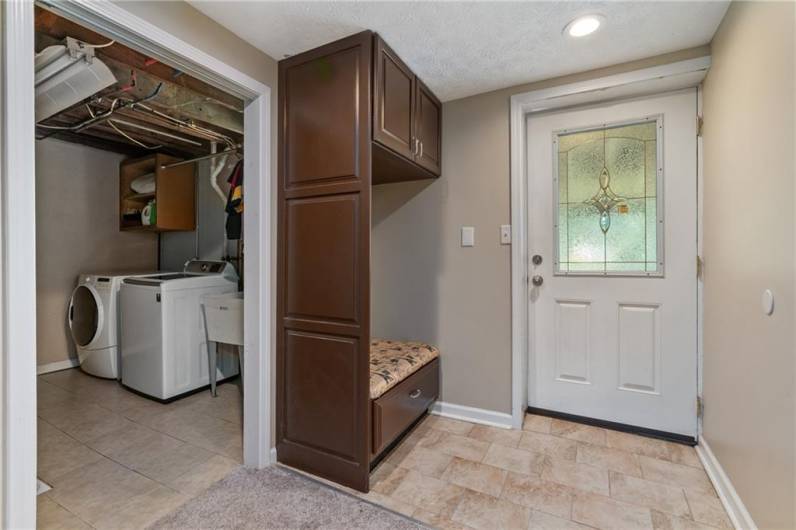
point(428, 129)
point(323, 291)
point(393, 98)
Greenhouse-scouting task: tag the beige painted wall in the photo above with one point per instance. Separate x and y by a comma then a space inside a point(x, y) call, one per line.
point(748, 247)
point(424, 285)
point(77, 231)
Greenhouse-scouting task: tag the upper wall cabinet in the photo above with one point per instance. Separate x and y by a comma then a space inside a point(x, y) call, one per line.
point(407, 120)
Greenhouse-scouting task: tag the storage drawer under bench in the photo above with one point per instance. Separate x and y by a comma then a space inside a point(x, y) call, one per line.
point(395, 410)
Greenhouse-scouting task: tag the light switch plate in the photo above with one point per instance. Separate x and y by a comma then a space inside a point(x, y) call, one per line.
point(468, 236)
point(505, 234)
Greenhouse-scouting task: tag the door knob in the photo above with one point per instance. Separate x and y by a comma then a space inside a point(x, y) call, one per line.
point(537, 280)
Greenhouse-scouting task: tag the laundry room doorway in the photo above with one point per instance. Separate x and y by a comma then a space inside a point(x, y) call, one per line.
point(150, 279)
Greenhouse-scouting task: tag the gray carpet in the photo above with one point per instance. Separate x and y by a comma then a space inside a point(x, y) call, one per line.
point(278, 498)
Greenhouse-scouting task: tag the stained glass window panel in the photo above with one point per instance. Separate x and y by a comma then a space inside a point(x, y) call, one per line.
point(608, 200)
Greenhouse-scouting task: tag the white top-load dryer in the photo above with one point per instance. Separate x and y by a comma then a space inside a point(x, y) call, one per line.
point(164, 353)
point(94, 321)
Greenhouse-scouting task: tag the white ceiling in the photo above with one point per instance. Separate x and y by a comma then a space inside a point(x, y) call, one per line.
point(465, 48)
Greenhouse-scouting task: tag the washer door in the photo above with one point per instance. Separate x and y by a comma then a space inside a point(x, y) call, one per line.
point(85, 315)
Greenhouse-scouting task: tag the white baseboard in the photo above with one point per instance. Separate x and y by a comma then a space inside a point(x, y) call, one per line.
point(732, 502)
point(57, 366)
point(472, 414)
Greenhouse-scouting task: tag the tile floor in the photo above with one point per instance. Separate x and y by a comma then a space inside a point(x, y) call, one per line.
point(552, 475)
point(117, 460)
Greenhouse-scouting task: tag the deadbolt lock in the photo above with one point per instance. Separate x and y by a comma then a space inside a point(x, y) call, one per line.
point(536, 259)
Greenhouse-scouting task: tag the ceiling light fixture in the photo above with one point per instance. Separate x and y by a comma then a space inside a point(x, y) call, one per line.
point(582, 26)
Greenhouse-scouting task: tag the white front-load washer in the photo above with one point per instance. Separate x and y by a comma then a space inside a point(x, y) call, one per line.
point(164, 350)
point(93, 317)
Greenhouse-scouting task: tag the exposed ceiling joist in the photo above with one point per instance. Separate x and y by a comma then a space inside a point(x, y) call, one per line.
point(48, 23)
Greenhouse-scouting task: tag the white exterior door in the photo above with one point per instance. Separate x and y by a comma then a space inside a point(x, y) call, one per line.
point(613, 226)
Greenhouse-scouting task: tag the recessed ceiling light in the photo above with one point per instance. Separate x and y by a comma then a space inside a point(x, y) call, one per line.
point(582, 26)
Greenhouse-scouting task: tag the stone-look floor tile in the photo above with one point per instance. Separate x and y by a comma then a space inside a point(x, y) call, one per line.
point(640, 445)
point(52, 516)
point(48, 395)
point(426, 461)
point(475, 476)
point(539, 494)
point(687, 477)
point(142, 510)
point(168, 465)
point(436, 520)
point(669, 499)
point(544, 521)
point(665, 521)
point(84, 422)
point(113, 397)
point(496, 435)
point(574, 475)
point(608, 514)
point(448, 425)
point(228, 405)
point(578, 431)
point(484, 512)
point(93, 491)
point(422, 434)
point(554, 446)
point(130, 439)
point(59, 453)
point(532, 422)
point(74, 380)
point(707, 509)
point(456, 445)
point(607, 458)
point(200, 477)
point(516, 460)
point(386, 478)
point(684, 454)
point(204, 431)
point(388, 502)
point(430, 494)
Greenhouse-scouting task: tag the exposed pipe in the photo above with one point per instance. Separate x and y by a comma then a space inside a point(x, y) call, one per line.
point(216, 166)
point(199, 158)
point(104, 116)
point(155, 131)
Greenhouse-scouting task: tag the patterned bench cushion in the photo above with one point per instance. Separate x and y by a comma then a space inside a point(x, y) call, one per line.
point(392, 361)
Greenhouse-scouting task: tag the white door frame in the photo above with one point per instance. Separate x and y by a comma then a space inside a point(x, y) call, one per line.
point(648, 81)
point(18, 323)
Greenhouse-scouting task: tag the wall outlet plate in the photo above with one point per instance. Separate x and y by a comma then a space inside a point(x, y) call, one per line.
point(505, 234)
point(468, 236)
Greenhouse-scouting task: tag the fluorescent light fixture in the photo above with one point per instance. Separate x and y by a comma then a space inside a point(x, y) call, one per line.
point(582, 26)
point(67, 74)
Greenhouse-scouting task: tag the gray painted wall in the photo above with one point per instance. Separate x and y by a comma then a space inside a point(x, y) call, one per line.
point(77, 231)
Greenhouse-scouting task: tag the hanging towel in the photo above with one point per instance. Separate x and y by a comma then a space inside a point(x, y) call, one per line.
point(234, 206)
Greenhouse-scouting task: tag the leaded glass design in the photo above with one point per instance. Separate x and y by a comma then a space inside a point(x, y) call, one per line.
point(607, 199)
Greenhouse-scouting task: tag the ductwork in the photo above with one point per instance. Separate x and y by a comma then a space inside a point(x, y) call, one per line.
point(66, 75)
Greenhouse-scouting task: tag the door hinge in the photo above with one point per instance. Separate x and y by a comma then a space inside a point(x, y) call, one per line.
point(700, 122)
point(700, 407)
point(700, 267)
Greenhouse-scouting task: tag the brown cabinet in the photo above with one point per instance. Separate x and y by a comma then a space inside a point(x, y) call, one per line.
point(407, 119)
point(428, 129)
point(351, 115)
point(174, 195)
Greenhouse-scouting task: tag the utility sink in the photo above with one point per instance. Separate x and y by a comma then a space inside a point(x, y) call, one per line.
point(224, 317)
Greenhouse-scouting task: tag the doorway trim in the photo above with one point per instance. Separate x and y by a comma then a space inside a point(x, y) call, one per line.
point(17, 191)
point(658, 79)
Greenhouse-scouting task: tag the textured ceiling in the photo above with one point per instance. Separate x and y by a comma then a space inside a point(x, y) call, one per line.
point(465, 48)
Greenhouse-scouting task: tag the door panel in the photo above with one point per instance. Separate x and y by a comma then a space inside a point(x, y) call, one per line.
point(394, 101)
point(323, 277)
point(428, 129)
point(612, 214)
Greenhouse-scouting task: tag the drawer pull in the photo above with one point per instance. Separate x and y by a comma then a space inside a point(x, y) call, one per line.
point(415, 394)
